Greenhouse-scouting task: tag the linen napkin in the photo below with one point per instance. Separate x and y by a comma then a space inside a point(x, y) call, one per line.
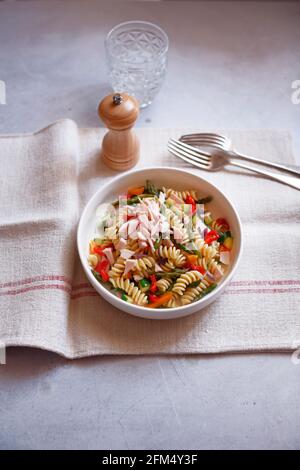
point(45, 298)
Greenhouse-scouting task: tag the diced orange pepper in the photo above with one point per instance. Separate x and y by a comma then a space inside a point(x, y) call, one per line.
point(92, 246)
point(224, 248)
point(192, 259)
point(136, 191)
point(161, 300)
point(98, 248)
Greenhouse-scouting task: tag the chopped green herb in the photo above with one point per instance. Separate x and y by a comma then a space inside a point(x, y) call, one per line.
point(194, 284)
point(144, 285)
point(184, 248)
point(156, 243)
point(96, 275)
point(117, 290)
point(150, 188)
point(175, 273)
point(223, 236)
point(198, 253)
point(191, 252)
point(136, 199)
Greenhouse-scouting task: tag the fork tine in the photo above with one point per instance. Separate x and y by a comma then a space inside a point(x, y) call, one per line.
point(211, 139)
point(198, 137)
point(182, 151)
point(204, 136)
point(187, 159)
point(191, 151)
point(197, 142)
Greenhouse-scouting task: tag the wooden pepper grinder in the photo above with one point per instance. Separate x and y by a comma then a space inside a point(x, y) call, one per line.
point(120, 146)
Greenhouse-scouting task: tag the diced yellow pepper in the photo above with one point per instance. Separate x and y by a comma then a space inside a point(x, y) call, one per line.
point(228, 242)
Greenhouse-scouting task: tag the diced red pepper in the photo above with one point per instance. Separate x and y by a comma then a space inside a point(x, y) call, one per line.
point(153, 286)
point(196, 267)
point(101, 266)
point(153, 298)
point(104, 275)
point(223, 223)
point(211, 236)
point(99, 248)
point(190, 200)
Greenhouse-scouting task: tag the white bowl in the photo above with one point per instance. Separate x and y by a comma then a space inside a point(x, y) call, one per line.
point(169, 177)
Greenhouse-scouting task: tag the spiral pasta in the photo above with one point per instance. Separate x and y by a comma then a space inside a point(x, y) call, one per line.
point(192, 292)
point(180, 194)
point(208, 251)
point(137, 296)
point(164, 284)
point(211, 265)
point(185, 279)
point(145, 265)
point(118, 268)
point(159, 252)
point(174, 302)
point(172, 254)
point(168, 266)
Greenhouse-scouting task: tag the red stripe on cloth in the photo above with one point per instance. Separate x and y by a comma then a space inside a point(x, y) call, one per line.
point(91, 292)
point(37, 287)
point(262, 291)
point(31, 280)
point(83, 285)
point(84, 294)
point(63, 288)
point(280, 282)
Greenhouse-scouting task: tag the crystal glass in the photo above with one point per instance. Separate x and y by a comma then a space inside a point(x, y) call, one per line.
point(136, 53)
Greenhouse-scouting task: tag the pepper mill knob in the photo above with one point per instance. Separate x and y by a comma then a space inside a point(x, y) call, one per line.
point(120, 146)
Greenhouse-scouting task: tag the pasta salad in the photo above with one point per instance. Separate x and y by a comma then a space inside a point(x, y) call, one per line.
point(159, 247)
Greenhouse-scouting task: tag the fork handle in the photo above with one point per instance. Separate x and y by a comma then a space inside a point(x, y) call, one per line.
point(289, 180)
point(277, 166)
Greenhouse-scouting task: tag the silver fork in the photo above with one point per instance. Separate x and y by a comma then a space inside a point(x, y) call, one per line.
point(217, 158)
point(212, 141)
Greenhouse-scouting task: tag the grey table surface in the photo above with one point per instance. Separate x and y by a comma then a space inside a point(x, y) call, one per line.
point(231, 65)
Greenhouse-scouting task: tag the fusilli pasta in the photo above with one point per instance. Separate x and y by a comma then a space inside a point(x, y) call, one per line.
point(137, 296)
point(160, 251)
